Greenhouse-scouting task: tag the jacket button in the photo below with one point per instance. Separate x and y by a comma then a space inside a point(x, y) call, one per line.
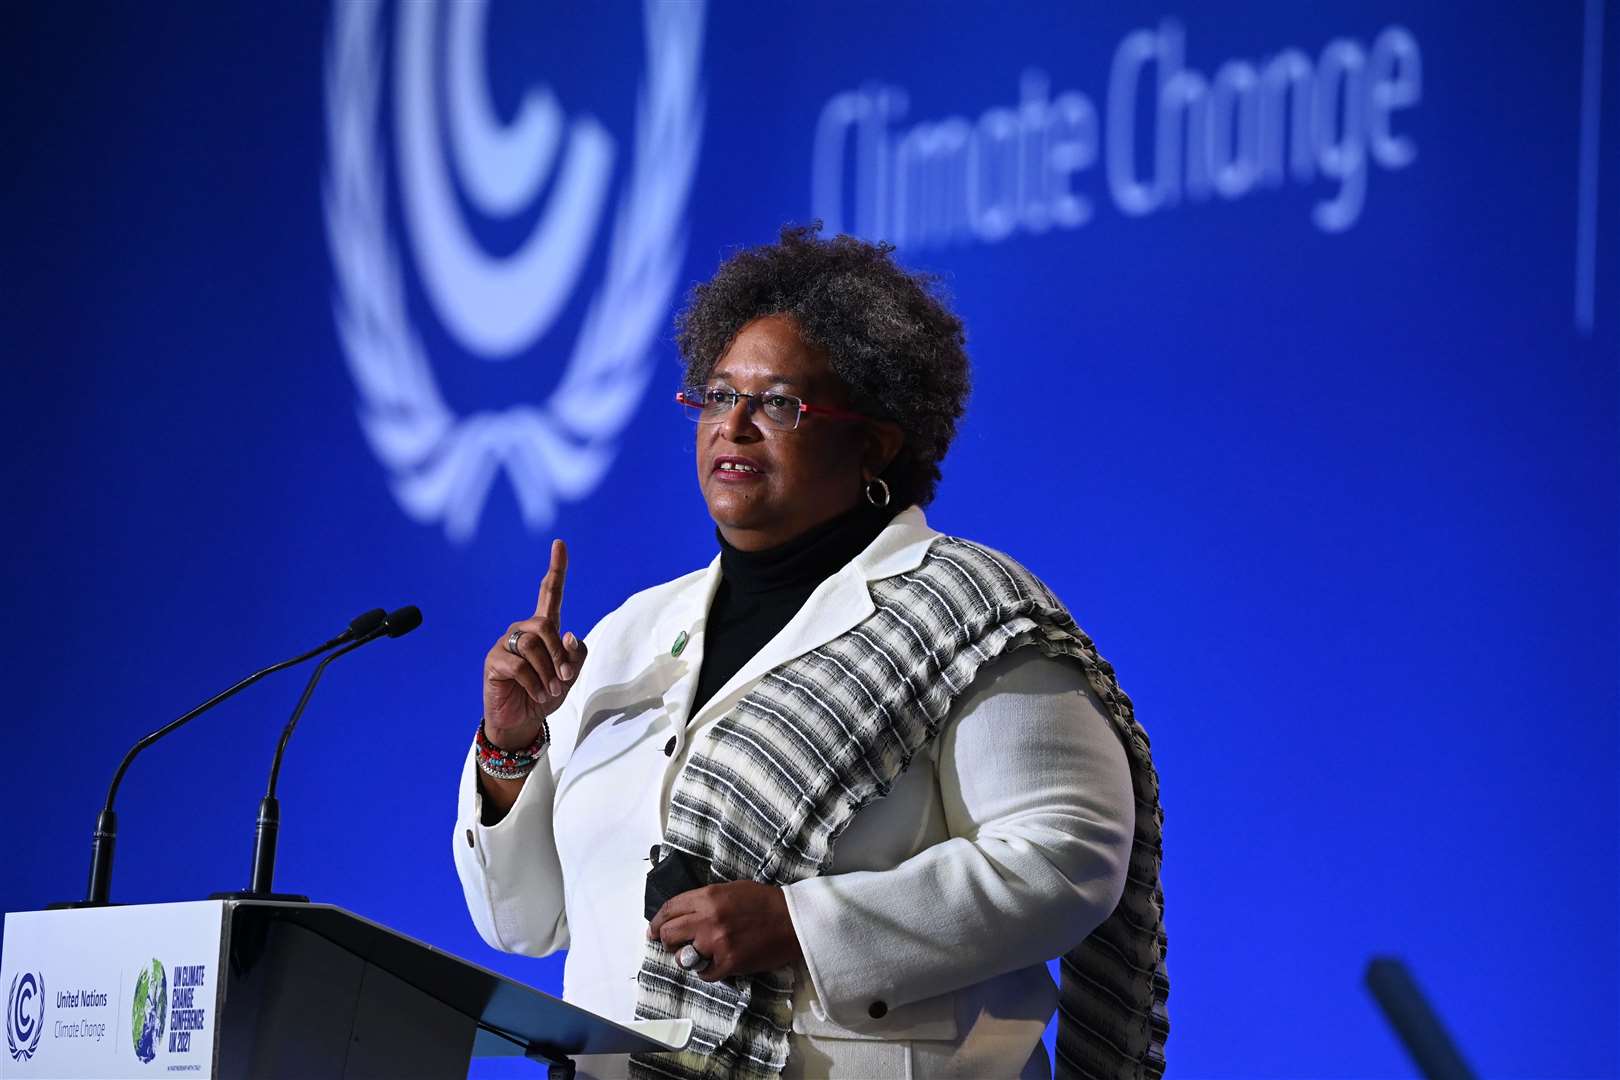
point(877, 1010)
point(470, 839)
point(669, 747)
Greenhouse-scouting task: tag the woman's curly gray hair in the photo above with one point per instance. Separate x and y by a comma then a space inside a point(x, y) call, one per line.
point(884, 329)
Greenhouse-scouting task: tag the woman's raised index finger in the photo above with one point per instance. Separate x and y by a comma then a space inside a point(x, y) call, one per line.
point(551, 586)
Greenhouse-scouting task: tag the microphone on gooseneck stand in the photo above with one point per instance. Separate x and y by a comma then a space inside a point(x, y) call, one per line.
point(398, 623)
point(106, 834)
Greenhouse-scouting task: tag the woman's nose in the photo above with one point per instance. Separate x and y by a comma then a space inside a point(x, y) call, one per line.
point(738, 424)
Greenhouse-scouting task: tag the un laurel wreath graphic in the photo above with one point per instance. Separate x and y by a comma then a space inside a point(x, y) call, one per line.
point(25, 1014)
point(442, 465)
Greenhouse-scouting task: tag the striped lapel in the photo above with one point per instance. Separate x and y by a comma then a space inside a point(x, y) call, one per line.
point(837, 605)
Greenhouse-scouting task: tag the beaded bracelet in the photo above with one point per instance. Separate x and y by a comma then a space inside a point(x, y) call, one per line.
point(510, 764)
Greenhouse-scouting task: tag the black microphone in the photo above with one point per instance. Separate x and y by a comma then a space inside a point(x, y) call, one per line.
point(398, 623)
point(106, 834)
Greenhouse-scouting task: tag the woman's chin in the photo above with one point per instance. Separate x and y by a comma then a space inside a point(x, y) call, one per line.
point(732, 509)
point(749, 528)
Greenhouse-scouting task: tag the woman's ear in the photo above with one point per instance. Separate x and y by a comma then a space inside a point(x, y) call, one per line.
point(884, 438)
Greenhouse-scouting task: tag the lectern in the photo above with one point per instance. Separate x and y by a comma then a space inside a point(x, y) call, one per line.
point(250, 989)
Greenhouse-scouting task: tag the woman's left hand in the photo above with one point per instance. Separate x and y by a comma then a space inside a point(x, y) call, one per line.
point(742, 927)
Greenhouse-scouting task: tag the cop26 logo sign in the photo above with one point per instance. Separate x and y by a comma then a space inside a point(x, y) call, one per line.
point(149, 1010)
point(496, 307)
point(25, 1014)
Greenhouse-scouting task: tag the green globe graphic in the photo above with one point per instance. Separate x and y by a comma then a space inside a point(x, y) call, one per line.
point(149, 1011)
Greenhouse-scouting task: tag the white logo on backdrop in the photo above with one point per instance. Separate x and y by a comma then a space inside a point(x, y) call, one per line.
point(497, 307)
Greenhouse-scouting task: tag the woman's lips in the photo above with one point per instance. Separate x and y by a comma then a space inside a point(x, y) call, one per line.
point(733, 470)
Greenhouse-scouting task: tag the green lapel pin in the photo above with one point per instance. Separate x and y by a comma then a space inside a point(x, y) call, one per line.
point(680, 643)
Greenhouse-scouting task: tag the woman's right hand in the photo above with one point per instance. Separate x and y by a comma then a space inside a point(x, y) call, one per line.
point(522, 689)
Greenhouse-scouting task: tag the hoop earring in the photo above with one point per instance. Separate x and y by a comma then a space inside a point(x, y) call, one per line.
point(882, 486)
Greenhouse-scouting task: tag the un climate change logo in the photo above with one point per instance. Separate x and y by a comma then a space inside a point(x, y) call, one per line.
point(25, 1014)
point(149, 1010)
point(441, 464)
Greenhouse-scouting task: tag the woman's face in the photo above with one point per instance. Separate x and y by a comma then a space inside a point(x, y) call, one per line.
point(790, 481)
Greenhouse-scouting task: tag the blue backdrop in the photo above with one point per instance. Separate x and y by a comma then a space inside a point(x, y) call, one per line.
point(1295, 338)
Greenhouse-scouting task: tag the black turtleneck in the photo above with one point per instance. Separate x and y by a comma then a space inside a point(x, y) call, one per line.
point(761, 590)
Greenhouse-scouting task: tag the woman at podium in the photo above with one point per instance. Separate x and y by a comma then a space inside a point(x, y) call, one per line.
point(838, 796)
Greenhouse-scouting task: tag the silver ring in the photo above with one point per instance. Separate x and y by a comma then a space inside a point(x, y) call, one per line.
point(690, 959)
point(512, 642)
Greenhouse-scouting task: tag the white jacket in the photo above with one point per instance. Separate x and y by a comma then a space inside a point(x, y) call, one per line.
point(924, 948)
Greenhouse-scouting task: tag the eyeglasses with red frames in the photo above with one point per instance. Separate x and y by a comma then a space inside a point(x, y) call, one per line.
point(711, 404)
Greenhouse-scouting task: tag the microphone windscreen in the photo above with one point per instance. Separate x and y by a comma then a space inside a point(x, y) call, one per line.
point(402, 621)
point(367, 621)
